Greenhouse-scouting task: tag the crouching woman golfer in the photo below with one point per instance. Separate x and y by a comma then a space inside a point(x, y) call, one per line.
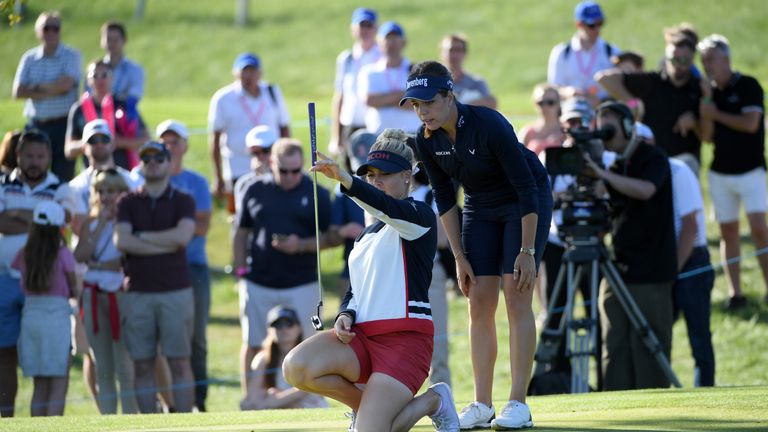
point(507, 210)
point(383, 335)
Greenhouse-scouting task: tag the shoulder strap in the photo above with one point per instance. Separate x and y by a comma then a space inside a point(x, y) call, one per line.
point(608, 50)
point(272, 96)
point(567, 50)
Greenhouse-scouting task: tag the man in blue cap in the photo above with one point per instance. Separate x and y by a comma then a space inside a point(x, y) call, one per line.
point(348, 111)
point(573, 64)
point(382, 85)
point(236, 109)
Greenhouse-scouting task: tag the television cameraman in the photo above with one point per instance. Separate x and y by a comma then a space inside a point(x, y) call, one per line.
point(643, 237)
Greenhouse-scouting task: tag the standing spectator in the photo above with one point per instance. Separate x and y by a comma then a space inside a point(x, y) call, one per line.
point(508, 206)
point(573, 64)
point(8, 152)
point(20, 191)
point(643, 233)
point(382, 84)
point(278, 216)
point(669, 99)
point(48, 279)
point(128, 76)
point(125, 123)
point(347, 110)
point(468, 88)
point(259, 142)
point(154, 226)
point(235, 110)
point(693, 293)
point(546, 131)
point(48, 77)
point(98, 148)
point(173, 134)
point(102, 297)
point(268, 388)
point(733, 115)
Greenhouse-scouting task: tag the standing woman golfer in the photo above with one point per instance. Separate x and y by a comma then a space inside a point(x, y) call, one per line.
point(507, 210)
point(383, 335)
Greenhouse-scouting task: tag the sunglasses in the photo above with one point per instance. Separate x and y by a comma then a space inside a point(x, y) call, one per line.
point(282, 324)
point(680, 61)
point(262, 152)
point(51, 28)
point(98, 75)
point(107, 171)
point(291, 171)
point(157, 157)
point(366, 24)
point(99, 139)
point(546, 102)
point(594, 25)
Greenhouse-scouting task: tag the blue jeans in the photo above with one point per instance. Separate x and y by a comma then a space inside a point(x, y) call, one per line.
point(201, 288)
point(692, 297)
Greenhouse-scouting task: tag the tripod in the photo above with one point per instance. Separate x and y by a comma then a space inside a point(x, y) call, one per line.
point(589, 256)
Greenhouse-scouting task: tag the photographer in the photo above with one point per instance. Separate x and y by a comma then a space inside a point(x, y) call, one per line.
point(640, 188)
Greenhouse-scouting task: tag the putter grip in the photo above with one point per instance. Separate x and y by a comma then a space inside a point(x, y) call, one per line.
point(312, 132)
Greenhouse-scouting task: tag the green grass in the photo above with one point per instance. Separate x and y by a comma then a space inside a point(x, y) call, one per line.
point(187, 50)
point(718, 409)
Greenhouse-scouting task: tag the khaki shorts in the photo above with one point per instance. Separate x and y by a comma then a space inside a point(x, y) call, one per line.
point(152, 319)
point(256, 301)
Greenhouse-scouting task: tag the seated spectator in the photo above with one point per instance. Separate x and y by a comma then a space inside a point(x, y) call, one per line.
point(48, 279)
point(125, 123)
point(545, 131)
point(267, 388)
point(102, 296)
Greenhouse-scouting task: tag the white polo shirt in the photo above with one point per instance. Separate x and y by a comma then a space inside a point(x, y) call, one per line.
point(377, 78)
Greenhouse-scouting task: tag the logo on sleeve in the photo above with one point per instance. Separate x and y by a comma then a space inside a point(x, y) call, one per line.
point(442, 153)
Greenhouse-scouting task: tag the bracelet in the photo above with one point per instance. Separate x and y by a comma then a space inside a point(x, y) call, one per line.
point(457, 255)
point(241, 271)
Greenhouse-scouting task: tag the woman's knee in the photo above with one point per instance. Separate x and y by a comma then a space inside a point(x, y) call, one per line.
point(296, 368)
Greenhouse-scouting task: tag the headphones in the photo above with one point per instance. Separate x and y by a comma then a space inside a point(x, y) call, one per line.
point(626, 117)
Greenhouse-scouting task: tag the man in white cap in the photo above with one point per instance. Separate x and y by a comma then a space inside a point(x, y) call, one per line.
point(173, 134)
point(99, 146)
point(259, 143)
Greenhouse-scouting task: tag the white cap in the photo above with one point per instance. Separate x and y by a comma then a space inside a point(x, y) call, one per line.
point(643, 131)
point(261, 136)
point(174, 126)
point(49, 213)
point(96, 127)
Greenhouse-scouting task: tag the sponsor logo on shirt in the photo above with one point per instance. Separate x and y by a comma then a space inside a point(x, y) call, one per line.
point(442, 153)
point(460, 122)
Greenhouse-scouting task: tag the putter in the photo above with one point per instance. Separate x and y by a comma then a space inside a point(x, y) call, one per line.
point(317, 322)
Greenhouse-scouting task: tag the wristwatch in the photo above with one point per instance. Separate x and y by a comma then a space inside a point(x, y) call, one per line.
point(528, 251)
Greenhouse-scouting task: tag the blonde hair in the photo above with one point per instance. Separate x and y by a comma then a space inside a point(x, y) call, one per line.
point(395, 141)
point(110, 179)
point(43, 17)
point(543, 88)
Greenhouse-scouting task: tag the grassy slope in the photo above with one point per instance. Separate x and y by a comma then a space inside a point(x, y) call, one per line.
point(188, 50)
point(720, 409)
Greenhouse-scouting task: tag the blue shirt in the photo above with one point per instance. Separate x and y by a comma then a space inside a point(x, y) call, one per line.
point(487, 158)
point(344, 211)
point(268, 210)
point(127, 80)
point(35, 68)
point(196, 186)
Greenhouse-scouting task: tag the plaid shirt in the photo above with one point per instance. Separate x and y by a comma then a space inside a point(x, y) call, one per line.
point(34, 68)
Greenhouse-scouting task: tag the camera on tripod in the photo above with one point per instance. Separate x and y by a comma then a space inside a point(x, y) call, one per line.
point(584, 214)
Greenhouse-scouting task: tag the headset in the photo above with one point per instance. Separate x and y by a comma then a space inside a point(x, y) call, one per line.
point(626, 118)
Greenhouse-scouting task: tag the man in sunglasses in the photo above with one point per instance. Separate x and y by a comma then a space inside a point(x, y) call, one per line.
point(154, 226)
point(47, 78)
point(573, 64)
point(259, 143)
point(669, 97)
point(279, 266)
point(98, 147)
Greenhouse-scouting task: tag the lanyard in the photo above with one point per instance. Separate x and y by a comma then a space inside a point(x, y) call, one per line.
point(397, 83)
point(255, 118)
point(586, 72)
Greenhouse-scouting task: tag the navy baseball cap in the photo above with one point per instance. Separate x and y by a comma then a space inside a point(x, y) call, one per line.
point(153, 146)
point(390, 27)
point(281, 312)
point(244, 60)
point(425, 87)
point(386, 161)
point(363, 14)
point(588, 12)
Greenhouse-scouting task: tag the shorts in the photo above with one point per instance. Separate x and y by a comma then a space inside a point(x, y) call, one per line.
point(164, 318)
point(256, 301)
point(492, 242)
point(729, 190)
point(405, 356)
point(11, 303)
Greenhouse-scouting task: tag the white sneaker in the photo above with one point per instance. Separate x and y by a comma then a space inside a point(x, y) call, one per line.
point(476, 415)
point(351, 415)
point(515, 415)
point(445, 419)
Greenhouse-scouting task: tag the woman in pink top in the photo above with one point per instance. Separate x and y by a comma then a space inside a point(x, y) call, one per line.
point(545, 131)
point(48, 279)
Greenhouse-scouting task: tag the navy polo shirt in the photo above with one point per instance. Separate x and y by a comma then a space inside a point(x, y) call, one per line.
point(268, 210)
point(487, 158)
